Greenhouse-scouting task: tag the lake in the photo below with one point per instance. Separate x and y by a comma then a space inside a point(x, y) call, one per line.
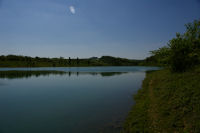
point(67, 100)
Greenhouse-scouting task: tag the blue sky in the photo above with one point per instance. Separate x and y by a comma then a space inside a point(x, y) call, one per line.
point(86, 28)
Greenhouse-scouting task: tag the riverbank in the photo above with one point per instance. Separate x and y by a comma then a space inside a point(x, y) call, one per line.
point(167, 102)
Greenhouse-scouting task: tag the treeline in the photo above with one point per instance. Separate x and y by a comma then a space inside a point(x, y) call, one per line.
point(25, 61)
point(182, 53)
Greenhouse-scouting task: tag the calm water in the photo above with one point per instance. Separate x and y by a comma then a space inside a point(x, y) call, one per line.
point(74, 100)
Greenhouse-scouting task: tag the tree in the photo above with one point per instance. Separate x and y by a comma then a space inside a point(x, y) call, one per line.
point(77, 61)
point(88, 62)
point(161, 56)
point(185, 48)
point(69, 61)
point(183, 51)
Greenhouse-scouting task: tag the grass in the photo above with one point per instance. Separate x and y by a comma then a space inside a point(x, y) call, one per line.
point(167, 102)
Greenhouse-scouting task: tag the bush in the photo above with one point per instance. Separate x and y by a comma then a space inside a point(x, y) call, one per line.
point(185, 49)
point(182, 52)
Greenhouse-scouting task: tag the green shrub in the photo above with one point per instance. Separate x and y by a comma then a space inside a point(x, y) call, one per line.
point(185, 49)
point(182, 52)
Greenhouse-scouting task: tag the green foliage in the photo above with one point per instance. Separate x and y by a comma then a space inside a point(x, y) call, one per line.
point(167, 102)
point(24, 61)
point(136, 121)
point(182, 52)
point(109, 60)
point(170, 102)
point(162, 55)
point(186, 48)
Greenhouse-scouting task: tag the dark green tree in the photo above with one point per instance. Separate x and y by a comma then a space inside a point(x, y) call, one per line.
point(183, 51)
point(88, 62)
point(77, 61)
point(185, 48)
point(69, 61)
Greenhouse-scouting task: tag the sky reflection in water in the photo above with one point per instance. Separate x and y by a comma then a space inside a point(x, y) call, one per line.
point(62, 101)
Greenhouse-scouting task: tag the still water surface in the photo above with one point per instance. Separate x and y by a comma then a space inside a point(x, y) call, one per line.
point(73, 100)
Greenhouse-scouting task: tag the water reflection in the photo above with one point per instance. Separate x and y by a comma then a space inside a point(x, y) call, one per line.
point(49, 101)
point(2, 84)
point(28, 74)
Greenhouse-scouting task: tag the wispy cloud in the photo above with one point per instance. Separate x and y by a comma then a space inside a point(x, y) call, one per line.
point(72, 9)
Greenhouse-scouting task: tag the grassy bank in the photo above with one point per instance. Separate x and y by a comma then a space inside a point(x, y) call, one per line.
point(168, 102)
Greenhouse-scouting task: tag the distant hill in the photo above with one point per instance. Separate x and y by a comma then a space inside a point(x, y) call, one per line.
point(26, 61)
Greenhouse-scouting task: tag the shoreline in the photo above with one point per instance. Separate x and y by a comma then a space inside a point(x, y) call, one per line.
point(167, 102)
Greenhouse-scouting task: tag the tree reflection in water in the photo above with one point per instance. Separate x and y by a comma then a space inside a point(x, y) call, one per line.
point(28, 74)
